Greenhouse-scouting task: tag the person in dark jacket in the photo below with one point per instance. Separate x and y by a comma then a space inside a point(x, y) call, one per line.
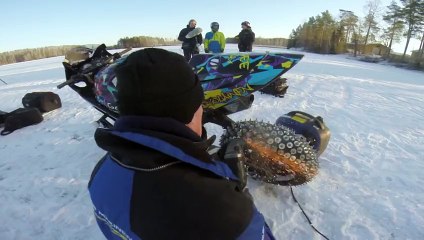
point(246, 37)
point(191, 45)
point(159, 179)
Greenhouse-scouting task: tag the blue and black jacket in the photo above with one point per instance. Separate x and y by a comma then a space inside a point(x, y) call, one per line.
point(214, 42)
point(158, 181)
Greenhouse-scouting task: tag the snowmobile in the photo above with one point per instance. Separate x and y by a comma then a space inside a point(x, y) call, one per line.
point(284, 153)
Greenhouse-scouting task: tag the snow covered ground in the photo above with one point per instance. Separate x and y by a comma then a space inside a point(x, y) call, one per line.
point(370, 184)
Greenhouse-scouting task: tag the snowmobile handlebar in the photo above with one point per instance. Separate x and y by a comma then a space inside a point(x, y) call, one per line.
point(66, 83)
point(75, 79)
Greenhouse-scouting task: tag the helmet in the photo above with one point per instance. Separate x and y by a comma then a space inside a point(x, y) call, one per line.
point(214, 24)
point(245, 23)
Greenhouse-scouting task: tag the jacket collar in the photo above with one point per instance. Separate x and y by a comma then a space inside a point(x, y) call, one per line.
point(132, 136)
point(165, 125)
point(166, 130)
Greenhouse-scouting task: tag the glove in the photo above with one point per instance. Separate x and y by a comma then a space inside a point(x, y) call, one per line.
point(232, 153)
point(206, 50)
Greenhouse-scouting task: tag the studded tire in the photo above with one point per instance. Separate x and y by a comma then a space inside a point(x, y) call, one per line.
point(274, 154)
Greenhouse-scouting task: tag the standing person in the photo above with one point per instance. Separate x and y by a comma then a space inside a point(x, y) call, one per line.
point(246, 37)
point(191, 45)
point(214, 40)
point(157, 180)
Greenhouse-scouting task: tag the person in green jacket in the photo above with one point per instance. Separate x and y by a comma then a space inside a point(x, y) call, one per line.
point(214, 40)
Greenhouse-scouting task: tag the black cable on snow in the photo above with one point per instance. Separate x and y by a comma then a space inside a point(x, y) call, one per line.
point(307, 218)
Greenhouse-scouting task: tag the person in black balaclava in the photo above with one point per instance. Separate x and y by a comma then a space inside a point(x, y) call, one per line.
point(190, 46)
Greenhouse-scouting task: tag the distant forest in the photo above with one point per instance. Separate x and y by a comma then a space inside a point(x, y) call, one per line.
point(346, 33)
point(23, 55)
point(134, 42)
point(380, 28)
point(45, 52)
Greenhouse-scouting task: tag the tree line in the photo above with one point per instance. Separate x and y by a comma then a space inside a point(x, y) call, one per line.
point(325, 33)
point(134, 42)
point(277, 42)
point(144, 41)
point(33, 54)
point(53, 51)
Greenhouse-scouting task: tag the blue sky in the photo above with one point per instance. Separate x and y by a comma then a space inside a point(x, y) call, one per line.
point(31, 23)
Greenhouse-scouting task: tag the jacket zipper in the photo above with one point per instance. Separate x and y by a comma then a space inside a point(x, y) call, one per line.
point(145, 169)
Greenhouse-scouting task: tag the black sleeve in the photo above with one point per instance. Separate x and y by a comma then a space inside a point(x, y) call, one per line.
point(199, 39)
point(241, 37)
point(185, 202)
point(253, 37)
point(182, 35)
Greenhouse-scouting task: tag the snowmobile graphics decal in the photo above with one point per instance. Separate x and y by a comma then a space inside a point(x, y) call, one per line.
point(105, 85)
point(214, 98)
point(226, 77)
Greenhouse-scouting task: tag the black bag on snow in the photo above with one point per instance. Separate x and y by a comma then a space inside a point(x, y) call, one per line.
point(3, 116)
point(20, 118)
point(44, 101)
point(277, 88)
